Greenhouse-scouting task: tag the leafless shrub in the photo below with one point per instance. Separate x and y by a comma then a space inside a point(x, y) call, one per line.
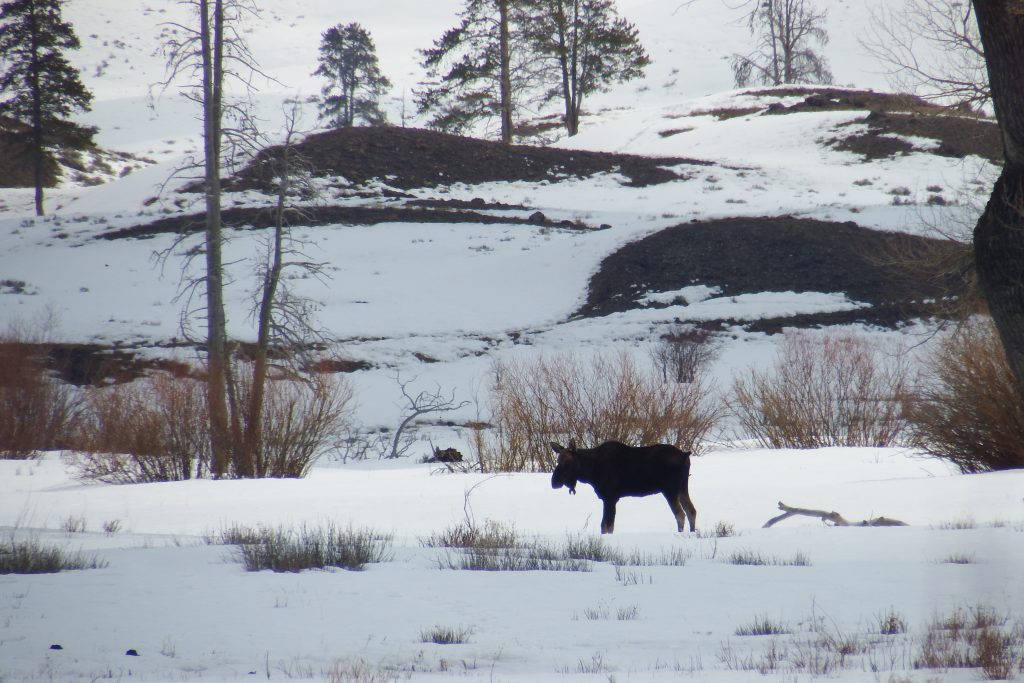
point(833, 390)
point(36, 409)
point(683, 353)
point(608, 397)
point(300, 417)
point(978, 637)
point(967, 408)
point(157, 429)
point(153, 429)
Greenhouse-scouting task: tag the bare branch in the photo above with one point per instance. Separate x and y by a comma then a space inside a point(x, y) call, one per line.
point(829, 518)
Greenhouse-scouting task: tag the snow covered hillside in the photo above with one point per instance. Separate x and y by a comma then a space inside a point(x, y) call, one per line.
point(433, 279)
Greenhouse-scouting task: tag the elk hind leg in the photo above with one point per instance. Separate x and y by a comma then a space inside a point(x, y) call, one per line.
point(691, 512)
point(675, 505)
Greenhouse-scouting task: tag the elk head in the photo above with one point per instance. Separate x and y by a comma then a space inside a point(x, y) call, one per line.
point(567, 469)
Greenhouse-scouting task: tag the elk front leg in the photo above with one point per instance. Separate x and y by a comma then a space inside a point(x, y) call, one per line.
point(608, 520)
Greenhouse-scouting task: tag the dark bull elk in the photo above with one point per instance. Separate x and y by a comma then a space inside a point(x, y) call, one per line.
point(616, 470)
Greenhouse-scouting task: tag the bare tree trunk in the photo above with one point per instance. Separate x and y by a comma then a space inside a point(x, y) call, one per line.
point(506, 72)
point(774, 28)
point(252, 446)
point(37, 146)
point(999, 234)
point(211, 45)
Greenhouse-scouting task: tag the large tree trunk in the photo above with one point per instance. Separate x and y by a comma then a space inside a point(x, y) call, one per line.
point(37, 111)
point(999, 234)
point(506, 72)
point(211, 39)
point(38, 155)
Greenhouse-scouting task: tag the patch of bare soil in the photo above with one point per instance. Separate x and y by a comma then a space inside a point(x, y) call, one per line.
point(425, 212)
point(778, 254)
point(407, 158)
point(85, 364)
point(957, 136)
point(958, 133)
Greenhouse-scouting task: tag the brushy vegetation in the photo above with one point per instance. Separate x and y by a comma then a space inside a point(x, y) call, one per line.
point(608, 397)
point(891, 623)
point(468, 534)
point(290, 550)
point(358, 671)
point(36, 410)
point(157, 429)
point(974, 637)
point(977, 637)
point(756, 558)
point(825, 390)
point(762, 626)
point(446, 635)
point(494, 546)
point(525, 555)
point(32, 556)
point(967, 408)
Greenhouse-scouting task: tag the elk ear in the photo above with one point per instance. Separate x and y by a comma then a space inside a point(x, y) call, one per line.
point(572, 445)
point(556, 448)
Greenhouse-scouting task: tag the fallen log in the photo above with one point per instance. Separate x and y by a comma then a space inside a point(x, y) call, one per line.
point(833, 518)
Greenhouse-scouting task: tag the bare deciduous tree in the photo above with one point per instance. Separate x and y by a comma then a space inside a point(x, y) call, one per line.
point(423, 403)
point(931, 48)
point(243, 443)
point(785, 31)
point(204, 54)
point(683, 352)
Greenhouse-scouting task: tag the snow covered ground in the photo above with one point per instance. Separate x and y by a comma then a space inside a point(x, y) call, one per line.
point(192, 613)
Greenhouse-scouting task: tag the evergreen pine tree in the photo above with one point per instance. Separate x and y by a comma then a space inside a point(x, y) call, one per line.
point(588, 46)
point(479, 70)
point(348, 60)
point(39, 87)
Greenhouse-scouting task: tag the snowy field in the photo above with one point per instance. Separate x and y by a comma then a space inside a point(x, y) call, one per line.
point(193, 613)
point(190, 610)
